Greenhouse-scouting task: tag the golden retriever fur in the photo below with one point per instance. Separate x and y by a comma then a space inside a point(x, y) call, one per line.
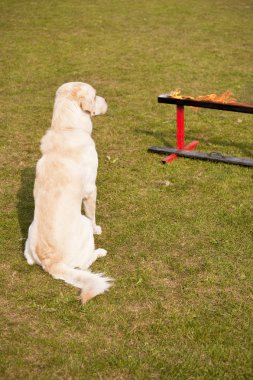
point(60, 238)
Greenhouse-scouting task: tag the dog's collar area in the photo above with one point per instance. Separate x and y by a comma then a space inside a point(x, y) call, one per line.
point(72, 129)
point(68, 129)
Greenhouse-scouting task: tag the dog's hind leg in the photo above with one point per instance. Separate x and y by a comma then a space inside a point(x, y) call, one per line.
point(100, 252)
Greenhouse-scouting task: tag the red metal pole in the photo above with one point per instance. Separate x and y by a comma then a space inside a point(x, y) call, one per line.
point(180, 127)
point(180, 136)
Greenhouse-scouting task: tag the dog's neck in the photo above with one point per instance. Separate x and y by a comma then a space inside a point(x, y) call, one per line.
point(68, 115)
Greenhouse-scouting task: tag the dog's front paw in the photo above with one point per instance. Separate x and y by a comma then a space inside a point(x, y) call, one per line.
point(101, 252)
point(97, 230)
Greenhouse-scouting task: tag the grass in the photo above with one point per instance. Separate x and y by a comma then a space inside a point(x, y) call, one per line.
point(179, 236)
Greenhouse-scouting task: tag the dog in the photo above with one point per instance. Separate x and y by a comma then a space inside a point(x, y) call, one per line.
point(60, 238)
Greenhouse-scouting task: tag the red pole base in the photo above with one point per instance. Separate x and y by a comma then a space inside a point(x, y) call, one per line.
point(173, 157)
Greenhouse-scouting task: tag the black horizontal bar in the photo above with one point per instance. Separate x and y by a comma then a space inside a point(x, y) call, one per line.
point(217, 157)
point(235, 107)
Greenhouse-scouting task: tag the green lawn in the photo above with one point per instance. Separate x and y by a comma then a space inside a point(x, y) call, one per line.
point(179, 236)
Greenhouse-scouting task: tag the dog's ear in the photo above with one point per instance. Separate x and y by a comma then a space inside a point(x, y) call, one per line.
point(85, 99)
point(87, 104)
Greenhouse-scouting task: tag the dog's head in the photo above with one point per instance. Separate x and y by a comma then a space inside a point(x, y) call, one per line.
point(85, 96)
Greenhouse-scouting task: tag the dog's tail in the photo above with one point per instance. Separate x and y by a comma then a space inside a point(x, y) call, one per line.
point(91, 284)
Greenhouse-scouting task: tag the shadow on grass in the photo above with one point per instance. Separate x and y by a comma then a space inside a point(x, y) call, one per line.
point(245, 148)
point(157, 135)
point(25, 202)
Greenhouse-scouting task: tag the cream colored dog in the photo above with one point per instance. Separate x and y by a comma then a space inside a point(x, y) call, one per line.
point(60, 238)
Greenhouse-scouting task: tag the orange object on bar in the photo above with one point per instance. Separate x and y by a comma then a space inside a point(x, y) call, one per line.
point(225, 97)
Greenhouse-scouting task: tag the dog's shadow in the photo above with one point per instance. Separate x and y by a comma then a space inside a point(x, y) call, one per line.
point(25, 202)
